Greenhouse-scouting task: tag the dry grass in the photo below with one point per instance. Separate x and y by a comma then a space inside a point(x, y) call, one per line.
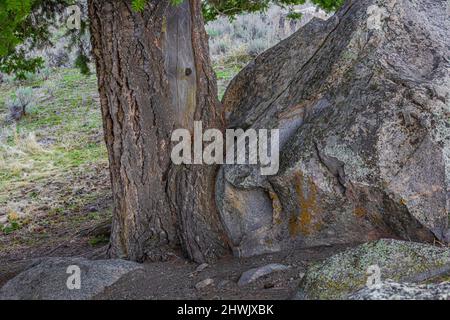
point(53, 166)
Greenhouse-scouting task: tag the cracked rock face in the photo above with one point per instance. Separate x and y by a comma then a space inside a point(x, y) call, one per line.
point(362, 102)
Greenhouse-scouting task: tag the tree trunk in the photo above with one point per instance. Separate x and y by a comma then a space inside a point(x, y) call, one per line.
point(154, 76)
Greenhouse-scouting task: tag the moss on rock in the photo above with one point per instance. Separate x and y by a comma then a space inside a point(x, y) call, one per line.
point(346, 272)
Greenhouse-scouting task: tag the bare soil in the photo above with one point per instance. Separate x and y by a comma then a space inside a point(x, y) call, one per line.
point(176, 278)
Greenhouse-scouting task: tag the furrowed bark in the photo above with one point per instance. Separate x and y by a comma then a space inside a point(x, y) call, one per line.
point(154, 76)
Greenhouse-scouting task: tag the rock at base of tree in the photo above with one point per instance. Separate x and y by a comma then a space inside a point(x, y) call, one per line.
point(403, 291)
point(362, 102)
point(9, 270)
point(256, 273)
point(351, 270)
point(51, 278)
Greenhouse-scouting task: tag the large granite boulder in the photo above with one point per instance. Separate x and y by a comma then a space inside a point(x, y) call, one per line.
point(362, 101)
point(352, 270)
point(404, 291)
point(50, 279)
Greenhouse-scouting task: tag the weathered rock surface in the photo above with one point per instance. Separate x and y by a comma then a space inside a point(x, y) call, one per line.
point(47, 280)
point(201, 267)
point(362, 102)
point(256, 273)
point(403, 291)
point(349, 271)
point(204, 283)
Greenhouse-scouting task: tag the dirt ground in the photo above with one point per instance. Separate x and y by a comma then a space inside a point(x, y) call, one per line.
point(176, 278)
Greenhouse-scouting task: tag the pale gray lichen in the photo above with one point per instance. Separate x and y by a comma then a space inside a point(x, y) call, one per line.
point(346, 272)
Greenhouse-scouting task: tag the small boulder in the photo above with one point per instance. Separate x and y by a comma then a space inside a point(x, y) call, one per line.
point(50, 279)
point(202, 267)
point(256, 273)
point(203, 284)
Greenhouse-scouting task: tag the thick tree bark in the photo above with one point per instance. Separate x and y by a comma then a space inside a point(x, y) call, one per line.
point(154, 76)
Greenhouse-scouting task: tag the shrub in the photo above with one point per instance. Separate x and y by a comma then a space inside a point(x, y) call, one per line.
point(257, 31)
point(45, 73)
point(57, 56)
point(256, 47)
point(18, 103)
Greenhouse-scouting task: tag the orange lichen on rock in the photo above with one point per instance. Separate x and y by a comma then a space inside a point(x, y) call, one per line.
point(307, 199)
point(360, 212)
point(277, 208)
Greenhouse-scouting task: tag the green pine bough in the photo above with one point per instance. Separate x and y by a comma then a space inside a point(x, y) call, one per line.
point(28, 21)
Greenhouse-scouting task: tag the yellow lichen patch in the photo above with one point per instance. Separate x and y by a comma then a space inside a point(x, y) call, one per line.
point(164, 25)
point(305, 222)
point(307, 200)
point(376, 219)
point(277, 208)
point(235, 199)
point(13, 216)
point(359, 212)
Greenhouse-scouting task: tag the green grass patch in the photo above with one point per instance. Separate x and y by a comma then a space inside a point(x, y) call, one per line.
point(99, 240)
